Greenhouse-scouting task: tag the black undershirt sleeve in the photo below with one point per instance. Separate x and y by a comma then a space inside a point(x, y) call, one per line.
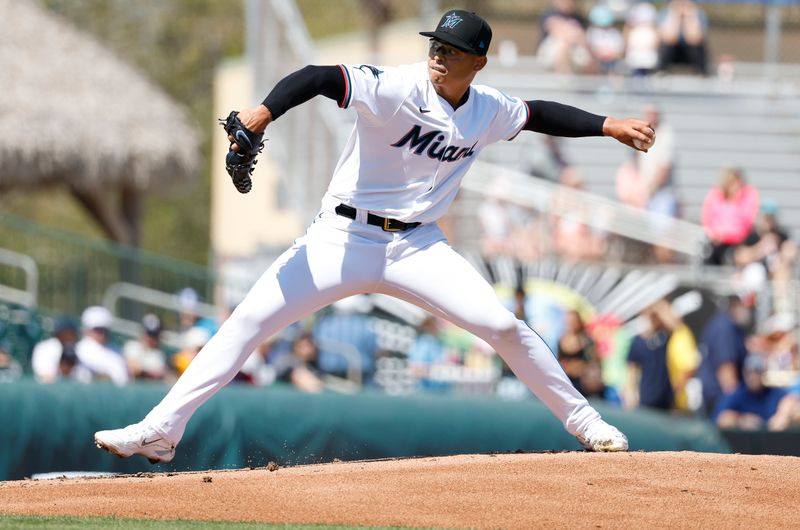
point(557, 119)
point(304, 84)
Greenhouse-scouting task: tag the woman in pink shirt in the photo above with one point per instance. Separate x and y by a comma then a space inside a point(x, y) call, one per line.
point(729, 211)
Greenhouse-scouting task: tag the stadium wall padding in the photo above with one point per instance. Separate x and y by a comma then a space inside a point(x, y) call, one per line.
point(49, 428)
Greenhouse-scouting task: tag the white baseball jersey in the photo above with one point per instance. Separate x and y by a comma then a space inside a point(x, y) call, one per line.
point(404, 160)
point(409, 149)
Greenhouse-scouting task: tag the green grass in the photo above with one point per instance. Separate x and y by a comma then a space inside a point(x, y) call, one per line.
point(102, 523)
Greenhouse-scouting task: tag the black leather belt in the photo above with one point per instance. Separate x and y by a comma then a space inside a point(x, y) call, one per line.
point(388, 225)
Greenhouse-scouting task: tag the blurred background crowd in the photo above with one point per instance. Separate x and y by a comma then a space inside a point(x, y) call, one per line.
point(666, 280)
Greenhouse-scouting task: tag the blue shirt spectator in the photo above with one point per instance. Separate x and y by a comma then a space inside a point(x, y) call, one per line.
point(650, 355)
point(763, 404)
point(722, 345)
point(426, 352)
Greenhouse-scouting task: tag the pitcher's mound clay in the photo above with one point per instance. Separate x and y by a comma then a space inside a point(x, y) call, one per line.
point(586, 490)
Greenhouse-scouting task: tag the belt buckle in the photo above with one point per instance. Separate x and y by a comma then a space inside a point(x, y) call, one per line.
point(387, 225)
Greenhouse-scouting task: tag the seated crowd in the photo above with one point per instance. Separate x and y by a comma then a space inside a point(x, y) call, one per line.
point(735, 378)
point(641, 42)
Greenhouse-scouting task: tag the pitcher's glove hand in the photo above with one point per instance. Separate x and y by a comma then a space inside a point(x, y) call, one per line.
point(240, 163)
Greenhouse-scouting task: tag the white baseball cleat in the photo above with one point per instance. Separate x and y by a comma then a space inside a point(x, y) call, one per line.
point(600, 436)
point(136, 439)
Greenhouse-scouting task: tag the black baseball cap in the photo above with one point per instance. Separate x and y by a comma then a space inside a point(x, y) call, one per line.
point(463, 29)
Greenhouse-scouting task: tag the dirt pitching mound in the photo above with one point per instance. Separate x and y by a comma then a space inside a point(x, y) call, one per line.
point(585, 490)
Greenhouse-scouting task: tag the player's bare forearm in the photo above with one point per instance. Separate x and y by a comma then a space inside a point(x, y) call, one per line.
point(629, 129)
point(256, 119)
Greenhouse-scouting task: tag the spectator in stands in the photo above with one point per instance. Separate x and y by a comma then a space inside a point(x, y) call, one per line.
point(729, 212)
point(47, 355)
point(788, 413)
point(189, 317)
point(575, 349)
point(753, 406)
point(777, 344)
point(646, 180)
point(67, 362)
point(145, 358)
point(649, 382)
point(593, 386)
point(257, 369)
point(683, 28)
point(427, 352)
point(770, 245)
point(572, 238)
point(641, 40)
point(299, 367)
point(96, 358)
point(563, 45)
point(683, 356)
point(193, 340)
point(10, 369)
point(723, 350)
point(605, 42)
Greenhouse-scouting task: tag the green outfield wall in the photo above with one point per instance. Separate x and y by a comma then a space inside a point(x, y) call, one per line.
point(49, 428)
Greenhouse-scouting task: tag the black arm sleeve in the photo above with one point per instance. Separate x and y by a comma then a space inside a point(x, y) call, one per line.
point(303, 85)
point(556, 119)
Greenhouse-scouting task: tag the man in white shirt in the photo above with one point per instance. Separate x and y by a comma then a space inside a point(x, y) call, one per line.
point(46, 358)
point(95, 358)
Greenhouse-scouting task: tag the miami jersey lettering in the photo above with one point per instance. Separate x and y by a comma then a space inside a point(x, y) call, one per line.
point(409, 149)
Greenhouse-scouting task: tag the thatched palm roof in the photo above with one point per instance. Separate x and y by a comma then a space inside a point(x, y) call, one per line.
point(71, 112)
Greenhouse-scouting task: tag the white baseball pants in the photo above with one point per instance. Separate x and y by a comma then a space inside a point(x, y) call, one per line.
point(339, 257)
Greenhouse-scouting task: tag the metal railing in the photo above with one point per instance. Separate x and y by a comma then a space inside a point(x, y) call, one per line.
point(590, 209)
point(28, 295)
point(73, 272)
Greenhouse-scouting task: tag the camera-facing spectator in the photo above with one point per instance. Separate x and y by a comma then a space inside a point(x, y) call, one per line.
point(573, 239)
point(144, 356)
point(770, 245)
point(723, 349)
point(683, 28)
point(661, 360)
point(729, 213)
point(299, 367)
point(563, 47)
point(641, 40)
point(96, 358)
point(593, 386)
point(648, 383)
point(752, 406)
point(427, 352)
point(47, 355)
point(776, 342)
point(605, 42)
point(575, 349)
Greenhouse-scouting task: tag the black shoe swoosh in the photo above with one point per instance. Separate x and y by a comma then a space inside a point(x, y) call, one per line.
point(145, 441)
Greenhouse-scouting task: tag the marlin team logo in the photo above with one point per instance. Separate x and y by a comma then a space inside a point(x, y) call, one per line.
point(451, 21)
point(372, 69)
point(432, 141)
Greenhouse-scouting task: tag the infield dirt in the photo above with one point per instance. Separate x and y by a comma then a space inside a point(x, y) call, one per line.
point(558, 490)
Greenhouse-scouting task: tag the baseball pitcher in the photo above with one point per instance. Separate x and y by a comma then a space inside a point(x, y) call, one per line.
point(418, 130)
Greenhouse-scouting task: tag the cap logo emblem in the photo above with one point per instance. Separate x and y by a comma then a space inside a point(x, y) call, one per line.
point(451, 21)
